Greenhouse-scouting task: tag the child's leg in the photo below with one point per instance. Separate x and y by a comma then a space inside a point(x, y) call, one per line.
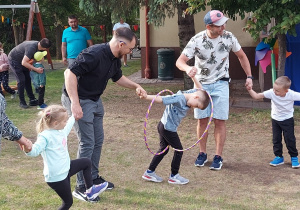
point(63, 189)
point(277, 138)
point(41, 95)
point(163, 144)
point(289, 136)
point(173, 140)
point(5, 76)
point(84, 165)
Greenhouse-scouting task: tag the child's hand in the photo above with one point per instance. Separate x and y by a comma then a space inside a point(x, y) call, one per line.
point(143, 96)
point(249, 87)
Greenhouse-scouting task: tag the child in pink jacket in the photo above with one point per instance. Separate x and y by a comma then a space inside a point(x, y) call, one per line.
point(4, 67)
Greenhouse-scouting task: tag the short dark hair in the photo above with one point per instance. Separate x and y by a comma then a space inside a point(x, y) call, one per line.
point(72, 17)
point(125, 33)
point(45, 43)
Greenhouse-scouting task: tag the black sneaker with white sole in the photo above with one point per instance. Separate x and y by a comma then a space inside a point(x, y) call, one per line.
point(100, 180)
point(79, 193)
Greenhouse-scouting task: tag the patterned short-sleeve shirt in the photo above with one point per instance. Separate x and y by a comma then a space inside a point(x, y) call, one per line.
point(211, 55)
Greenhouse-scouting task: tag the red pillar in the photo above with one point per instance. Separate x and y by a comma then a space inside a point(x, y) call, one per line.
point(147, 68)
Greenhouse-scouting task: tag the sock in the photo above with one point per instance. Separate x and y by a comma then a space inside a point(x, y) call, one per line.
point(149, 171)
point(89, 190)
point(172, 175)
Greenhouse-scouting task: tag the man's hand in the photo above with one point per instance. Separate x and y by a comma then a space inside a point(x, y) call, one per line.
point(65, 61)
point(39, 70)
point(76, 111)
point(25, 144)
point(249, 84)
point(141, 92)
point(191, 72)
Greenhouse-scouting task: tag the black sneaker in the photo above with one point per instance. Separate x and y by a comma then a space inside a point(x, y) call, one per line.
point(33, 102)
point(100, 180)
point(79, 193)
point(24, 106)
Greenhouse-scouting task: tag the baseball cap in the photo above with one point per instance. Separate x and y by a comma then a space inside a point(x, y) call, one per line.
point(39, 55)
point(215, 17)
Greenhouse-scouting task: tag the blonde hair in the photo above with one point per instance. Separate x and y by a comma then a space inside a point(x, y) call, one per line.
point(51, 114)
point(203, 98)
point(283, 81)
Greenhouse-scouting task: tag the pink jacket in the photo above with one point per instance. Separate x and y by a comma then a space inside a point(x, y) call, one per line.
point(3, 62)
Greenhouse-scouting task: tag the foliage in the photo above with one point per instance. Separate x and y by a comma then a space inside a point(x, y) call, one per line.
point(160, 9)
point(285, 12)
point(129, 10)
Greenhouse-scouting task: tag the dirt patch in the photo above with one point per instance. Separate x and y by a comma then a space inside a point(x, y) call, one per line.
point(246, 173)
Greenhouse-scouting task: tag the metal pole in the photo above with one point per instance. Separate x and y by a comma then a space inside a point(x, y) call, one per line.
point(14, 6)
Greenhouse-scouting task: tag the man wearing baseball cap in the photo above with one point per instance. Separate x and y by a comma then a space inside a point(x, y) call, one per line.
point(211, 49)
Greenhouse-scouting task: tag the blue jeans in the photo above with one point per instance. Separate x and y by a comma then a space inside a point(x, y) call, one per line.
point(89, 130)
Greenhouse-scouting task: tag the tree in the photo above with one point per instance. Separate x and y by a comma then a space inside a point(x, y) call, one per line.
point(285, 13)
point(158, 11)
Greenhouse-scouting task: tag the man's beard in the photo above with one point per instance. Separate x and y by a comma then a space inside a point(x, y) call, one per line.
point(74, 27)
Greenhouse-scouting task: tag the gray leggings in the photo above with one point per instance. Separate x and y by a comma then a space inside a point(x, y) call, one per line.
point(89, 130)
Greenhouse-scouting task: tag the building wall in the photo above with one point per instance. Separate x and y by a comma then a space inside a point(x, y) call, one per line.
point(167, 37)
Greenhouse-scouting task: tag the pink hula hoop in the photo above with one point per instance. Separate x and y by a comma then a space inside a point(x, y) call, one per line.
point(179, 150)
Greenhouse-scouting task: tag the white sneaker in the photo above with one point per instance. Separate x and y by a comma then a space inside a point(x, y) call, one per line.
point(13, 96)
point(177, 179)
point(152, 177)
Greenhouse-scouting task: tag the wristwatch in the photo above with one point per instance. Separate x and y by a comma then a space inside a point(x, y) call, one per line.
point(251, 77)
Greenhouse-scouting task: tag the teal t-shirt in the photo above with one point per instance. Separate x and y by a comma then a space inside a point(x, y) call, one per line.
point(76, 40)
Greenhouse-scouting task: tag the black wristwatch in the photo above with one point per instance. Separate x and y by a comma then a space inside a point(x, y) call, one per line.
point(251, 77)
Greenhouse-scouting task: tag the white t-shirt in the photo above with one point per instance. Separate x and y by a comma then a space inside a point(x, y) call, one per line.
point(211, 55)
point(119, 25)
point(282, 108)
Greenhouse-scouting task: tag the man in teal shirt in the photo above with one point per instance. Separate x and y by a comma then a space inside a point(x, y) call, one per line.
point(74, 39)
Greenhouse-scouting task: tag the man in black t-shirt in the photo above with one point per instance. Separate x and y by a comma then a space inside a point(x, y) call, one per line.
point(85, 81)
point(19, 62)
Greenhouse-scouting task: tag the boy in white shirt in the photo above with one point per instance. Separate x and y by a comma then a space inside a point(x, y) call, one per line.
point(282, 109)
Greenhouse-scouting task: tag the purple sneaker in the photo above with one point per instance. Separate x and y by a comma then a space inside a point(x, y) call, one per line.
point(95, 190)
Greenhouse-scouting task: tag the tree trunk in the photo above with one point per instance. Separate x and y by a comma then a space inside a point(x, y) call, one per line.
point(186, 30)
point(58, 36)
point(16, 35)
point(281, 55)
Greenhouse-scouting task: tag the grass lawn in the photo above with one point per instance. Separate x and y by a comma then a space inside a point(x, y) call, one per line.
point(246, 180)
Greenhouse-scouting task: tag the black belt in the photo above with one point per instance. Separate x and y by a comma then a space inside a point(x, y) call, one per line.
point(225, 79)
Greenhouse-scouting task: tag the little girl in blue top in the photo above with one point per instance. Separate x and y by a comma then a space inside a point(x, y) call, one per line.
point(53, 128)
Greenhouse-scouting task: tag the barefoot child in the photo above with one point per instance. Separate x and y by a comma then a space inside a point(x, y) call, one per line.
point(53, 129)
point(282, 109)
point(177, 106)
